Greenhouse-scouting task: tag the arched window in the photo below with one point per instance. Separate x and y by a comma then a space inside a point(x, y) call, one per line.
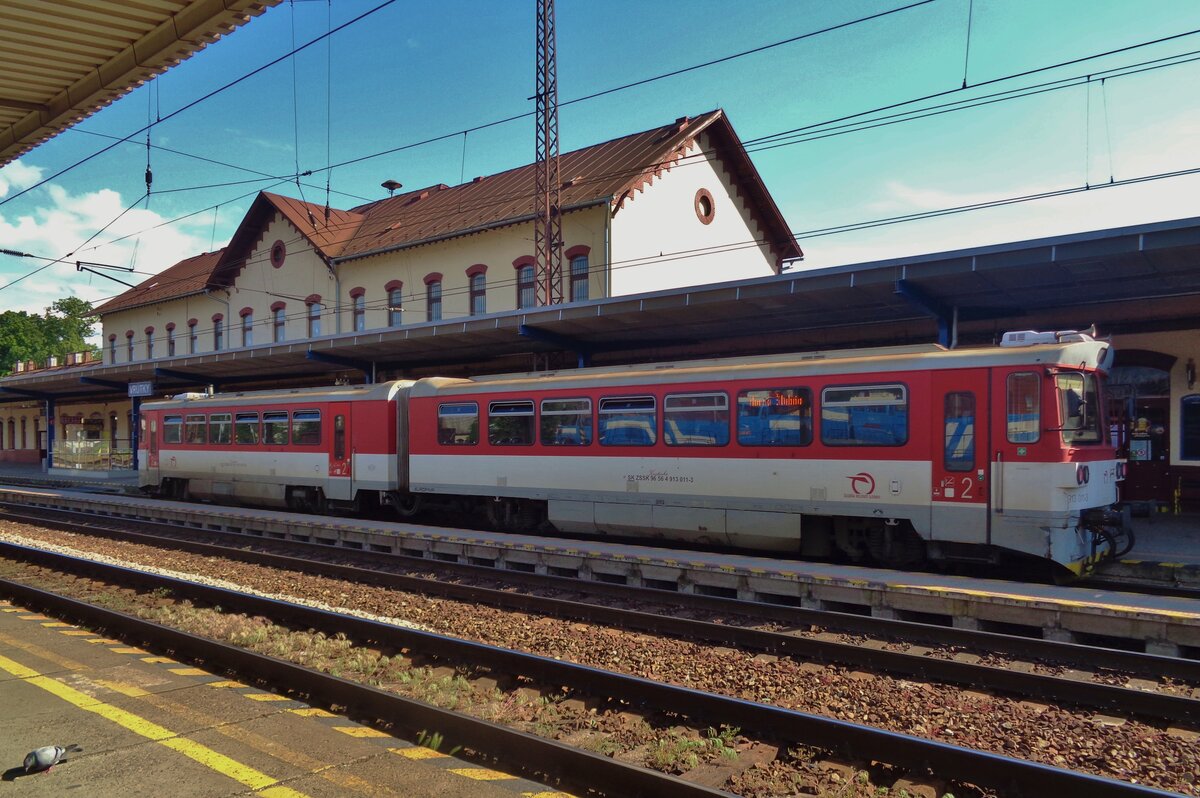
point(112, 348)
point(247, 326)
point(192, 336)
point(315, 308)
point(171, 339)
point(279, 321)
point(395, 303)
point(149, 343)
point(358, 296)
point(578, 258)
point(12, 434)
point(24, 442)
point(218, 321)
point(129, 345)
point(526, 294)
point(477, 275)
point(433, 297)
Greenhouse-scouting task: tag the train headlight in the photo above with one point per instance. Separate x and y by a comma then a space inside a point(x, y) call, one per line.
point(1082, 474)
point(1120, 471)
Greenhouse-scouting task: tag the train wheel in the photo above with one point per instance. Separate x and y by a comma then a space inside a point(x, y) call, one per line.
point(407, 504)
point(316, 503)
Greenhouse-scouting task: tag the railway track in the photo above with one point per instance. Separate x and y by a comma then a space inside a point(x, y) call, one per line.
point(580, 769)
point(736, 629)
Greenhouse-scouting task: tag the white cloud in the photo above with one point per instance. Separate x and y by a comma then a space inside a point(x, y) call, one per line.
point(17, 175)
point(1098, 209)
point(62, 224)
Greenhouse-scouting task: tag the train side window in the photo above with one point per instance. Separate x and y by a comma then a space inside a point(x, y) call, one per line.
point(566, 422)
point(775, 417)
point(864, 415)
point(245, 429)
point(195, 428)
point(220, 428)
point(172, 429)
point(458, 424)
point(696, 419)
point(1024, 407)
point(959, 419)
point(306, 427)
point(628, 421)
point(339, 437)
point(275, 428)
point(510, 423)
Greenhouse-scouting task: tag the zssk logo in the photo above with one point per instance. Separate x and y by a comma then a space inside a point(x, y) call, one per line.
point(862, 483)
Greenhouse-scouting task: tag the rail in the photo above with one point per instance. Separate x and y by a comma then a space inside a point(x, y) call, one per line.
point(1009, 775)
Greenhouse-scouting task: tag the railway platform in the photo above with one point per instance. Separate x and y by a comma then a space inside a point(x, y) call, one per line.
point(149, 725)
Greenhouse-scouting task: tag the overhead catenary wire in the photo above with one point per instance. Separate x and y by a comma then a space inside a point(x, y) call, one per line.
point(199, 100)
point(907, 102)
point(814, 134)
point(746, 52)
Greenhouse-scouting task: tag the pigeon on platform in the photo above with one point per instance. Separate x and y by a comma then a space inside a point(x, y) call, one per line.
point(47, 757)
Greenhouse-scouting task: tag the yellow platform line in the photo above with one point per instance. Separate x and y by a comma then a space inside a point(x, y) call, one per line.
point(482, 774)
point(360, 731)
point(243, 774)
point(419, 753)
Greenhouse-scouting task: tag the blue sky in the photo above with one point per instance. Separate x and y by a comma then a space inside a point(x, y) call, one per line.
point(417, 70)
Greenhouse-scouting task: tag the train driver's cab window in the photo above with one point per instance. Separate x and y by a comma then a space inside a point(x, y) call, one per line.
point(628, 421)
point(864, 415)
point(566, 422)
point(245, 429)
point(1078, 407)
point(275, 428)
point(194, 429)
point(220, 428)
point(775, 417)
point(458, 424)
point(306, 427)
point(1024, 407)
point(510, 423)
point(172, 429)
point(696, 419)
point(959, 420)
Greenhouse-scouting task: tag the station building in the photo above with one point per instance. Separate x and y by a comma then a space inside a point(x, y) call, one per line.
point(641, 212)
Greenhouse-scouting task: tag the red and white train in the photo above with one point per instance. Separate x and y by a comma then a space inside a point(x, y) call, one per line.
point(894, 455)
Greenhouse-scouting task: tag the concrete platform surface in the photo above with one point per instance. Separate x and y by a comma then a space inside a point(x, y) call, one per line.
point(151, 726)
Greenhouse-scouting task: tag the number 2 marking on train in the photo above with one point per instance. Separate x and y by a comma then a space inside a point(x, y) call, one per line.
point(967, 485)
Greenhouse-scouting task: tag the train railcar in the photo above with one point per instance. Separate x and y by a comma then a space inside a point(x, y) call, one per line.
point(301, 449)
point(893, 455)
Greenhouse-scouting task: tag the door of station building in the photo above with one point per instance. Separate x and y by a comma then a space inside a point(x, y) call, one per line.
point(1147, 430)
point(341, 455)
point(959, 409)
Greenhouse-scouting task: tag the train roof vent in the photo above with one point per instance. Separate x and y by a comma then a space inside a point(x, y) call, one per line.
point(190, 395)
point(1034, 337)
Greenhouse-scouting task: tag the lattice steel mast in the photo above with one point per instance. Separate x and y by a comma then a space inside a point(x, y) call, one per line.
point(547, 227)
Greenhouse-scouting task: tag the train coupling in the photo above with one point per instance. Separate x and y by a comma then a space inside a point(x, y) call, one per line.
point(1111, 526)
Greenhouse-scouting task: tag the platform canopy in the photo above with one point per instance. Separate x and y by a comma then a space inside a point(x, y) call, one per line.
point(62, 61)
point(1134, 279)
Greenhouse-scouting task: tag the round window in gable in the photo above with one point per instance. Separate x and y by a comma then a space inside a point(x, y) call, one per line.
point(705, 207)
point(278, 253)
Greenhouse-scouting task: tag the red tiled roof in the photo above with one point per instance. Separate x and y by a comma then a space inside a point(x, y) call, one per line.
point(610, 172)
point(189, 276)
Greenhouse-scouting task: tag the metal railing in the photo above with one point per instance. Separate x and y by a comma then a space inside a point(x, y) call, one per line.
point(101, 455)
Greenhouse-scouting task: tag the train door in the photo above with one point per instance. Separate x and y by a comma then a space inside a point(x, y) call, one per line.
point(151, 420)
point(960, 500)
point(341, 455)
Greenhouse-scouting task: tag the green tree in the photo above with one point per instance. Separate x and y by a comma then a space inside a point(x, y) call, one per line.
point(65, 327)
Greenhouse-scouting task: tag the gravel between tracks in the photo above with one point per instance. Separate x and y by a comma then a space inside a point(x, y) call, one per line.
point(1077, 739)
